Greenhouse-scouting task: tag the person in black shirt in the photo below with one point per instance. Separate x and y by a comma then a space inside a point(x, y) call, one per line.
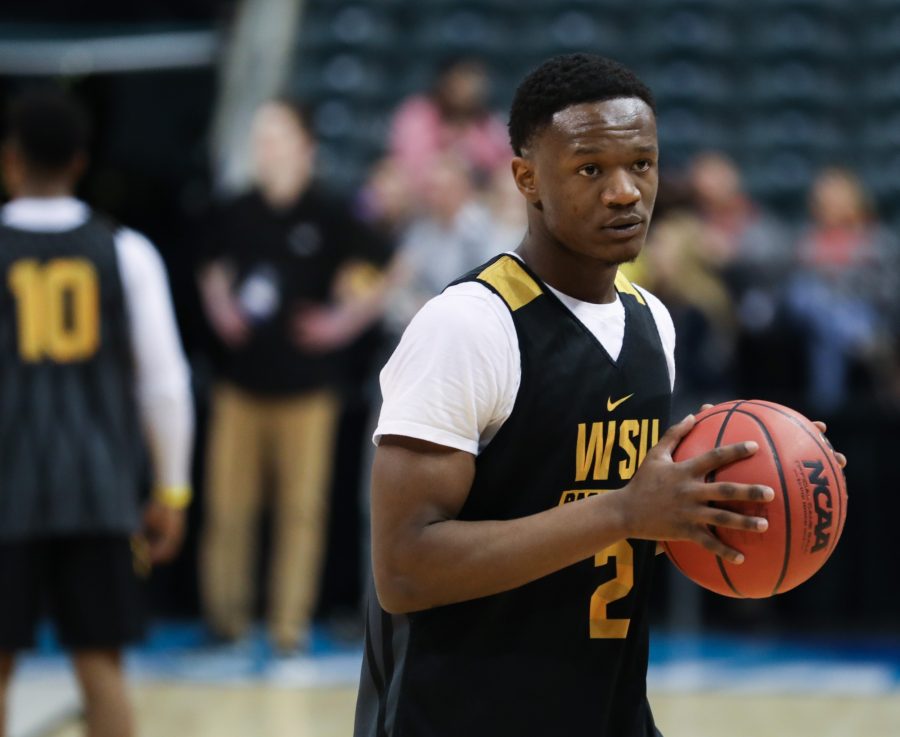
point(524, 470)
point(280, 287)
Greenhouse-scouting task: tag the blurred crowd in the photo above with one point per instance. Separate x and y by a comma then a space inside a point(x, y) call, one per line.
point(305, 293)
point(805, 312)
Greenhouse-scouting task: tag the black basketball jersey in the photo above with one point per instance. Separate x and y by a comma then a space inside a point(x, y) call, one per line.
point(566, 654)
point(69, 442)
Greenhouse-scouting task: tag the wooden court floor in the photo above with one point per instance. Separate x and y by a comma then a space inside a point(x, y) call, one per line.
point(265, 711)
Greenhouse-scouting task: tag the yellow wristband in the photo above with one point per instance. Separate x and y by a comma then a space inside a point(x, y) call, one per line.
point(175, 497)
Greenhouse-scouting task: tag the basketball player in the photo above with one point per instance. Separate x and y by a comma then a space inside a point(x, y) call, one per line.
point(89, 353)
point(518, 486)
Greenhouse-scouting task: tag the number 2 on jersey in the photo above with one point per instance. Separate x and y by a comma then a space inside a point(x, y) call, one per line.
point(602, 626)
point(57, 305)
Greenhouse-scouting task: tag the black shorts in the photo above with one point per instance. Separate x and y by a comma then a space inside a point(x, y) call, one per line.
point(89, 585)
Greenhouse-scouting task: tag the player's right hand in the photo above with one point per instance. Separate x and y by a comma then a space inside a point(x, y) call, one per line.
point(669, 500)
point(164, 528)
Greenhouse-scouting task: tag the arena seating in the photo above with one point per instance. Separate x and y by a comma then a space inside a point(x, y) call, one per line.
point(785, 87)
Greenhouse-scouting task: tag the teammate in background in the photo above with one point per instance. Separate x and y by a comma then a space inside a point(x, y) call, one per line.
point(513, 523)
point(89, 353)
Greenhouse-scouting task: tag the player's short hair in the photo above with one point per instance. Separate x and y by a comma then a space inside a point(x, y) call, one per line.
point(48, 127)
point(564, 81)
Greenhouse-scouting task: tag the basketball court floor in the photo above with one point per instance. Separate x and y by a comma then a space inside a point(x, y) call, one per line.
point(203, 711)
point(699, 687)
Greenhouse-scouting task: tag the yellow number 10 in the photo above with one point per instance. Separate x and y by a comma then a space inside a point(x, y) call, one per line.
point(58, 311)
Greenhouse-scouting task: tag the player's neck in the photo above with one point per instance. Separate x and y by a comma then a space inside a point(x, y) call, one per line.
point(571, 273)
point(38, 189)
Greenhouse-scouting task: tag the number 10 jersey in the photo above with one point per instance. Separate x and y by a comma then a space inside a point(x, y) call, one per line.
point(69, 437)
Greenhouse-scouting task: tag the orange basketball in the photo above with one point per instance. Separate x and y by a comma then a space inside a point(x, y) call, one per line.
point(806, 517)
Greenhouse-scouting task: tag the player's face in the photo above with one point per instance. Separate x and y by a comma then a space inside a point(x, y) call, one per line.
point(594, 178)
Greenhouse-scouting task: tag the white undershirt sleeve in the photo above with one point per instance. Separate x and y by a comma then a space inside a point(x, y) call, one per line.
point(162, 390)
point(455, 375)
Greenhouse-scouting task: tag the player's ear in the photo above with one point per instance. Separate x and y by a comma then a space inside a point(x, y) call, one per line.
point(526, 180)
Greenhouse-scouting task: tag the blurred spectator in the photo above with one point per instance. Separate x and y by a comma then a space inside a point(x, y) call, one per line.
point(453, 118)
point(752, 252)
point(386, 200)
point(736, 230)
point(281, 286)
point(845, 288)
point(452, 233)
point(677, 268)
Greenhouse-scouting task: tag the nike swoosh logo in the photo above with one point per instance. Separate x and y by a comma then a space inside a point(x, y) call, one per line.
point(611, 405)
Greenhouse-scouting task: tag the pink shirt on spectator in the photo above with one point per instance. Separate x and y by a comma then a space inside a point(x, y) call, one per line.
point(419, 135)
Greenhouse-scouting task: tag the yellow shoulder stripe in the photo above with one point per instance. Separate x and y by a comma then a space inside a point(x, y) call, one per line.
point(511, 281)
point(626, 287)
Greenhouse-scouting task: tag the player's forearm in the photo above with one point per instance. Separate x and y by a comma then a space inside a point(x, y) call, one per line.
point(453, 560)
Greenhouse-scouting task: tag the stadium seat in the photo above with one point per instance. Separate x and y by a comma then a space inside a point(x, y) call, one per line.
point(362, 26)
point(830, 7)
point(466, 30)
point(798, 35)
point(797, 83)
point(882, 40)
point(882, 132)
point(881, 172)
point(354, 27)
point(349, 75)
point(792, 127)
point(333, 119)
point(679, 82)
point(781, 179)
point(572, 30)
point(683, 132)
point(881, 88)
point(769, 83)
point(882, 5)
point(687, 33)
point(609, 9)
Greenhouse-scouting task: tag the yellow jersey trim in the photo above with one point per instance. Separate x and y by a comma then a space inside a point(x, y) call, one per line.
point(626, 287)
point(511, 282)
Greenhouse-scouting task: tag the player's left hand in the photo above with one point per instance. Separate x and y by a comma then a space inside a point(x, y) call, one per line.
point(163, 530)
point(839, 457)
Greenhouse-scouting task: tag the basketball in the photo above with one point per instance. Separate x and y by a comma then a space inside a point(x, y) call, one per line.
point(806, 517)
